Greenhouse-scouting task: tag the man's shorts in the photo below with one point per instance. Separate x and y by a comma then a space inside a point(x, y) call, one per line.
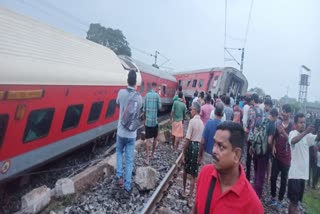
point(151, 132)
point(295, 190)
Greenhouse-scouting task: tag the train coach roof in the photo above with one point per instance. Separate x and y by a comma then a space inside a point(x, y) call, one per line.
point(199, 71)
point(34, 53)
point(154, 71)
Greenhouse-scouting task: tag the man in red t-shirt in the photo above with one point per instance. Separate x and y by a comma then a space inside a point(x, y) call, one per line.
point(223, 187)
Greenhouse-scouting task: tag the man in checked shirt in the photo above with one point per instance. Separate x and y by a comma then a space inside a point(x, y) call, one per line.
point(151, 106)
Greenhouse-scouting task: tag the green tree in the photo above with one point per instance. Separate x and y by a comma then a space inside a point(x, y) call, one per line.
point(113, 39)
point(295, 105)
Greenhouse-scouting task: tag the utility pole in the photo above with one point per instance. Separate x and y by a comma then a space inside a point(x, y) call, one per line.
point(155, 58)
point(242, 58)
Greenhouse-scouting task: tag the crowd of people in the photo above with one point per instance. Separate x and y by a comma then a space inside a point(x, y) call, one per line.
point(276, 141)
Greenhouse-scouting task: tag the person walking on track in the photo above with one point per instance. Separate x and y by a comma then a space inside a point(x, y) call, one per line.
point(152, 105)
point(126, 136)
point(191, 151)
point(178, 114)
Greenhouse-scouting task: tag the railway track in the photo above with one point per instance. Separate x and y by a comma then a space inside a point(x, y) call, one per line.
point(165, 198)
point(163, 189)
point(66, 166)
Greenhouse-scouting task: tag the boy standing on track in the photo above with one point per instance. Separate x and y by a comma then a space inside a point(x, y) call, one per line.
point(300, 140)
point(191, 151)
point(222, 187)
point(178, 113)
point(125, 138)
point(152, 105)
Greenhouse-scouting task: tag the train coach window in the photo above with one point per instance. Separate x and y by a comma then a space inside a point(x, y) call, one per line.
point(201, 83)
point(142, 87)
point(38, 124)
point(194, 84)
point(95, 111)
point(4, 118)
point(72, 117)
point(111, 108)
point(189, 81)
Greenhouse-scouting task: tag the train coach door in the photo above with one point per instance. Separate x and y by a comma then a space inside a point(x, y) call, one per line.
point(164, 89)
point(4, 118)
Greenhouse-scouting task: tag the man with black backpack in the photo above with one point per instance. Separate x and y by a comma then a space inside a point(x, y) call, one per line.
point(130, 103)
point(262, 140)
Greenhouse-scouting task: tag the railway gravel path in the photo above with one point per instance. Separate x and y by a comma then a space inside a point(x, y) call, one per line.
point(66, 166)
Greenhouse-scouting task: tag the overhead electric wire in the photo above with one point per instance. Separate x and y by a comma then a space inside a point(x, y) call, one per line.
point(52, 8)
point(49, 14)
point(141, 51)
point(232, 56)
point(225, 27)
point(65, 13)
point(248, 25)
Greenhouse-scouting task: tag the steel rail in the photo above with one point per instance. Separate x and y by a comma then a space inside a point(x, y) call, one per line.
point(158, 194)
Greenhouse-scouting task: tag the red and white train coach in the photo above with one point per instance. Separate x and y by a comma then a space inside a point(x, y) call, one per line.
point(166, 83)
point(217, 80)
point(57, 92)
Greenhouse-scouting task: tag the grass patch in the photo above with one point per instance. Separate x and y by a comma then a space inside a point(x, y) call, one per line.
point(311, 200)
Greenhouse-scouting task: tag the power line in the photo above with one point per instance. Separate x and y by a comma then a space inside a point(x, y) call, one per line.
point(65, 13)
point(232, 56)
point(248, 24)
point(141, 51)
point(49, 14)
point(46, 4)
point(225, 26)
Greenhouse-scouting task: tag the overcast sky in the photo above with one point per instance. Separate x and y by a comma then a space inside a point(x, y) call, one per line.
point(283, 34)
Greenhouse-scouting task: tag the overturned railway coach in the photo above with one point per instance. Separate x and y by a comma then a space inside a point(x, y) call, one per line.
point(57, 92)
point(219, 81)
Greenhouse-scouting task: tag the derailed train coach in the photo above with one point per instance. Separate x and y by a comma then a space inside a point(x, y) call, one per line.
point(225, 80)
point(166, 82)
point(57, 92)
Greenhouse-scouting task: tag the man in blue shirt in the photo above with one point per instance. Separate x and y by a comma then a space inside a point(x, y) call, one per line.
point(125, 138)
point(209, 131)
point(151, 106)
